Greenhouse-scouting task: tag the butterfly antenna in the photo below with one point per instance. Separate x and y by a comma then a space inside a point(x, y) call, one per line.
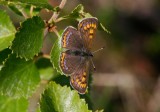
point(98, 50)
point(93, 65)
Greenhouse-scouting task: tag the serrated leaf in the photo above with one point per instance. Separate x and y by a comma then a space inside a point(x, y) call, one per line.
point(61, 99)
point(78, 13)
point(7, 31)
point(101, 27)
point(99, 110)
point(55, 54)
point(13, 105)
point(29, 39)
point(15, 9)
point(45, 68)
point(39, 3)
point(4, 54)
point(46, 73)
point(18, 78)
point(18, 8)
point(36, 3)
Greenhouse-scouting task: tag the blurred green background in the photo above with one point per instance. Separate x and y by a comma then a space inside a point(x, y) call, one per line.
point(127, 76)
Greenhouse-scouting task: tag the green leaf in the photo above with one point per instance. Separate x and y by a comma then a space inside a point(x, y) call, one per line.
point(55, 54)
point(101, 27)
point(45, 68)
point(29, 39)
point(18, 8)
point(7, 31)
point(99, 110)
point(61, 99)
point(15, 9)
point(46, 73)
point(78, 13)
point(18, 78)
point(35, 3)
point(4, 55)
point(13, 105)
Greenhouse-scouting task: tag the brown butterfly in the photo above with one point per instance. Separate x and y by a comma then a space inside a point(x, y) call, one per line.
point(76, 58)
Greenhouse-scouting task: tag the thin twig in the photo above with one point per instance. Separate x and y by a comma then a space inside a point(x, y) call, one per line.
point(59, 19)
point(24, 14)
point(46, 56)
point(53, 29)
point(22, 11)
point(56, 14)
point(45, 31)
point(31, 10)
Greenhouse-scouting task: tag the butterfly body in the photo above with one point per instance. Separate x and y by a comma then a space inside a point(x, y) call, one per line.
point(82, 53)
point(76, 54)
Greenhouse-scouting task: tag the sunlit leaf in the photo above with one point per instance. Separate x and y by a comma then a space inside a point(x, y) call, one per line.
point(8, 104)
point(29, 38)
point(18, 78)
point(61, 99)
point(7, 31)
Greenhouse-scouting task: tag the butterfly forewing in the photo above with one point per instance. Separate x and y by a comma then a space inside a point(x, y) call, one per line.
point(79, 79)
point(71, 39)
point(69, 62)
point(87, 28)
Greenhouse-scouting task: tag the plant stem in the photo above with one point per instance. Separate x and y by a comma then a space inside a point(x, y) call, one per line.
point(31, 10)
point(24, 13)
point(57, 33)
point(46, 56)
point(56, 14)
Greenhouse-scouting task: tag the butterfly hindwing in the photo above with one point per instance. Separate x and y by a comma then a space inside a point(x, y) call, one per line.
point(87, 28)
point(71, 39)
point(79, 79)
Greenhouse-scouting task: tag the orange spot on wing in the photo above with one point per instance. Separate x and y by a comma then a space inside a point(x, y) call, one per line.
point(83, 85)
point(80, 25)
point(77, 80)
point(88, 26)
point(91, 31)
point(64, 39)
point(79, 83)
point(62, 59)
point(72, 81)
point(90, 36)
point(85, 28)
point(95, 26)
point(83, 79)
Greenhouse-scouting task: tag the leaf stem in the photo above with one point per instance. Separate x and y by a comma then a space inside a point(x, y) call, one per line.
point(53, 29)
point(56, 14)
point(24, 14)
point(45, 31)
point(31, 10)
point(46, 56)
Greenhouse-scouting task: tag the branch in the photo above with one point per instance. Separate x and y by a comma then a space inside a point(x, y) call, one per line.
point(56, 14)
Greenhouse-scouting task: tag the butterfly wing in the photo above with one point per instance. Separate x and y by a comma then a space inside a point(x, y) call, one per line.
point(71, 39)
point(68, 62)
point(87, 28)
point(79, 79)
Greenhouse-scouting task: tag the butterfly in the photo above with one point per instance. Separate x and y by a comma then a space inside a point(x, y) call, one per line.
point(75, 60)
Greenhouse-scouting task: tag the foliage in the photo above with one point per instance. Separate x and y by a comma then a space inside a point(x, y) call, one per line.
point(23, 65)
